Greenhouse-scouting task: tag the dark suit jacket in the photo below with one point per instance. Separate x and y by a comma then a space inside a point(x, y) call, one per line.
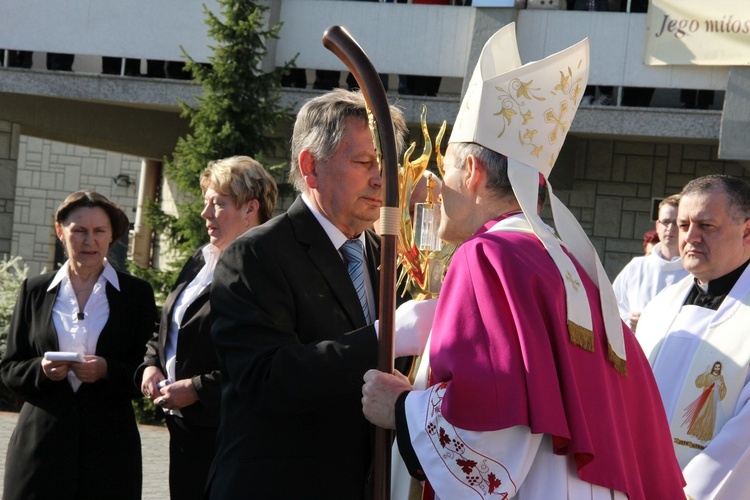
point(196, 357)
point(81, 444)
point(293, 347)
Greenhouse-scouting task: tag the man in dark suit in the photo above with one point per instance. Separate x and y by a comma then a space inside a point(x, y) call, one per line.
point(290, 329)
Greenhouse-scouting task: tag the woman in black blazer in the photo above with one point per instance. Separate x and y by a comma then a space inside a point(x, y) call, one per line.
point(180, 372)
point(76, 436)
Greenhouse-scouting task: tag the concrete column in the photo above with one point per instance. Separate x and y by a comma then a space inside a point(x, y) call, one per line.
point(10, 134)
point(486, 22)
point(733, 143)
point(140, 249)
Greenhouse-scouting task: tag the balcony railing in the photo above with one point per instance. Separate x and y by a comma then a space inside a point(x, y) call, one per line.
point(399, 38)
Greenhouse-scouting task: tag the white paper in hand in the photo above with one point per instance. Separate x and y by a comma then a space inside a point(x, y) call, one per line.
point(63, 356)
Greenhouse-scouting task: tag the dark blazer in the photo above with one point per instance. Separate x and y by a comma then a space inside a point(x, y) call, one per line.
point(81, 444)
point(196, 357)
point(293, 347)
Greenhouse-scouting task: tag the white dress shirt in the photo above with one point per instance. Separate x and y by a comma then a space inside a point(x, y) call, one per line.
point(81, 335)
point(338, 239)
point(189, 294)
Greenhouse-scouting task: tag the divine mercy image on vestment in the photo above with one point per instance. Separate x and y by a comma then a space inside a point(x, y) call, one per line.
point(700, 415)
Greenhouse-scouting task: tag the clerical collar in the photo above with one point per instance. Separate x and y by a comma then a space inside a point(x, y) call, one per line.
point(508, 214)
point(491, 223)
point(717, 290)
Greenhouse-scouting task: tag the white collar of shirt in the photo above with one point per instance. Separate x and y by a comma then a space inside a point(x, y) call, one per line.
point(188, 295)
point(211, 256)
point(334, 234)
point(196, 286)
point(662, 263)
point(338, 239)
point(109, 274)
point(74, 331)
point(657, 250)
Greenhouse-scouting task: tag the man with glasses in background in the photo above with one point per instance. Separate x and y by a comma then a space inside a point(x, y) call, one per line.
point(646, 276)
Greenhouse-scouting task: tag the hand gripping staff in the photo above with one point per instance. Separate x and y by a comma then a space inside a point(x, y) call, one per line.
point(338, 41)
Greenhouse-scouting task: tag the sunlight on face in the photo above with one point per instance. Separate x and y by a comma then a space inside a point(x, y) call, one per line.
point(224, 221)
point(455, 208)
point(87, 235)
point(712, 242)
point(349, 185)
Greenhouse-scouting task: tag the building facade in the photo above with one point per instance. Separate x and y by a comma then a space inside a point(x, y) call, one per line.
point(62, 131)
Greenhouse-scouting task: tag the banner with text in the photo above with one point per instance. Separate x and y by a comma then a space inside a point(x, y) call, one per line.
point(713, 33)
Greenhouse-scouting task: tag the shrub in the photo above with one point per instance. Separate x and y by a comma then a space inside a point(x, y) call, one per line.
point(146, 412)
point(12, 274)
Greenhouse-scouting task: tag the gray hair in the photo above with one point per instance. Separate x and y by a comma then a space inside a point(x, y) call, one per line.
point(738, 193)
point(497, 165)
point(497, 169)
point(320, 124)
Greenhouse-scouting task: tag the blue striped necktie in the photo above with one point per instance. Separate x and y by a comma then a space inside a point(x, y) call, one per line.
point(355, 257)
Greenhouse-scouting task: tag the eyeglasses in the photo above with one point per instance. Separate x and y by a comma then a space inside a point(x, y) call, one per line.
point(667, 222)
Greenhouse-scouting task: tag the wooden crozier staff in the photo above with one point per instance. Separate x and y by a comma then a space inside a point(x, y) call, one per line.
point(338, 41)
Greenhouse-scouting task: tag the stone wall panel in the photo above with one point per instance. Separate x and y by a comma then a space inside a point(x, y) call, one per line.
point(697, 152)
point(607, 216)
point(599, 160)
point(675, 182)
point(638, 169)
point(47, 173)
point(632, 148)
point(627, 221)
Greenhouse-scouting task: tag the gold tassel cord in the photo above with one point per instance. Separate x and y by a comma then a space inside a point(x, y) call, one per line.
point(584, 338)
point(580, 336)
point(617, 361)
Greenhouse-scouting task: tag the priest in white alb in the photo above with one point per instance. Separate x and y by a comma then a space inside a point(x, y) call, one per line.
point(646, 276)
point(695, 334)
point(533, 388)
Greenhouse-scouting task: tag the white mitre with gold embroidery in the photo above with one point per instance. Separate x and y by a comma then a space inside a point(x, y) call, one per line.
point(524, 113)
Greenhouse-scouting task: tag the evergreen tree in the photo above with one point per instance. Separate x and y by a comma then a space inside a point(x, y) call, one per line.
point(237, 114)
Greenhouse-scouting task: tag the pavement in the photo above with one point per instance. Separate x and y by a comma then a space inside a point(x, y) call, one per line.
point(155, 451)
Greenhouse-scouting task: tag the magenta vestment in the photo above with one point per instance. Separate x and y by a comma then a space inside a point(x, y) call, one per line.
point(500, 337)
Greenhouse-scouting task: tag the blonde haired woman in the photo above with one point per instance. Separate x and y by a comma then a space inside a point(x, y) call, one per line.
point(180, 372)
